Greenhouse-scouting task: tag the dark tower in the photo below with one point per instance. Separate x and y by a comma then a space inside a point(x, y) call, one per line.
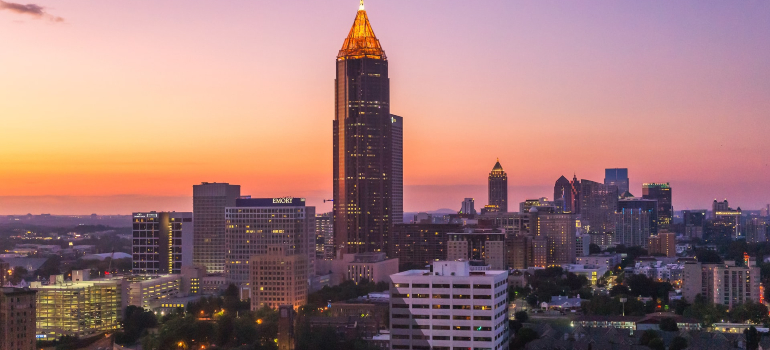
point(498, 187)
point(363, 145)
point(563, 190)
point(662, 193)
point(575, 194)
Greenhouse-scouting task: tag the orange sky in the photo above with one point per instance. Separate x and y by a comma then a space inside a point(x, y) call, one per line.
point(124, 106)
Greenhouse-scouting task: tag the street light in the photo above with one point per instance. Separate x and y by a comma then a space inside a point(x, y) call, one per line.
point(623, 301)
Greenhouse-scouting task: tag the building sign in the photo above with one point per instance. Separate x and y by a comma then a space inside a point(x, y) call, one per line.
point(284, 200)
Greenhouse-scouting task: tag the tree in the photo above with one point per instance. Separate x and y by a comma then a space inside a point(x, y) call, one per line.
point(647, 337)
point(752, 338)
point(668, 324)
point(678, 343)
point(656, 344)
point(750, 311)
point(707, 256)
point(594, 249)
point(523, 336)
point(521, 316)
point(619, 289)
point(18, 274)
point(135, 321)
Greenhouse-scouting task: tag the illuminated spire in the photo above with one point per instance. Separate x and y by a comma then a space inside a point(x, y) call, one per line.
point(497, 167)
point(361, 41)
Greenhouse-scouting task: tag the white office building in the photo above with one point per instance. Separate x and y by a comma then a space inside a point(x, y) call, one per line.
point(449, 307)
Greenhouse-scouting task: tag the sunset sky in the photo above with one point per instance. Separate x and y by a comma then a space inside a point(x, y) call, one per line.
point(110, 107)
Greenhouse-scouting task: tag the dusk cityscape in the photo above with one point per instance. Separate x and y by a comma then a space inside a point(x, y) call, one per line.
point(474, 176)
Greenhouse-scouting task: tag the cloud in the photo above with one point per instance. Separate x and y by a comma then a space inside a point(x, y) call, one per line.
point(29, 9)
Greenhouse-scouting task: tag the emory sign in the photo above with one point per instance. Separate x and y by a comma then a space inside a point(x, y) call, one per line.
point(284, 200)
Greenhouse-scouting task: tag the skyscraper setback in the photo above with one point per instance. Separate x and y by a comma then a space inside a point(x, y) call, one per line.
point(498, 187)
point(367, 145)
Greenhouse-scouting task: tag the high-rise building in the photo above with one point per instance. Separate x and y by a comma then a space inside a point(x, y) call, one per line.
point(694, 223)
point(5, 272)
point(420, 244)
point(664, 243)
point(478, 244)
point(725, 284)
point(582, 245)
point(560, 231)
point(17, 319)
point(719, 206)
point(278, 277)
point(598, 203)
point(617, 177)
point(467, 207)
point(498, 187)
point(449, 307)
point(162, 242)
point(662, 193)
point(397, 192)
point(209, 202)
point(647, 205)
point(726, 221)
point(253, 224)
point(632, 227)
point(363, 144)
point(576, 196)
point(563, 190)
point(518, 251)
point(324, 231)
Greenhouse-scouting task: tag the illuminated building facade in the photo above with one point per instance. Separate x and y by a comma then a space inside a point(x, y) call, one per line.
point(143, 290)
point(278, 277)
point(17, 319)
point(617, 177)
point(478, 244)
point(664, 243)
point(650, 206)
point(324, 233)
point(660, 192)
point(498, 187)
point(632, 227)
point(162, 242)
point(363, 149)
point(726, 283)
point(694, 223)
point(560, 231)
point(209, 202)
point(253, 224)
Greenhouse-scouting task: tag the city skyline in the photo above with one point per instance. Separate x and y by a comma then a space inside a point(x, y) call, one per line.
point(116, 125)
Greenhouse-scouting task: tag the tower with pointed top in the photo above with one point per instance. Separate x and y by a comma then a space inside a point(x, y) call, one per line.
point(498, 187)
point(367, 145)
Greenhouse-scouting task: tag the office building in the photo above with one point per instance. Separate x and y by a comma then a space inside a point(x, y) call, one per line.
point(364, 178)
point(694, 223)
point(143, 290)
point(374, 267)
point(324, 232)
point(717, 206)
point(757, 229)
point(648, 205)
point(162, 242)
point(478, 244)
point(467, 207)
point(513, 223)
point(664, 243)
point(539, 252)
point(17, 319)
point(562, 190)
point(449, 307)
point(420, 244)
point(560, 231)
point(255, 223)
point(725, 283)
point(77, 308)
point(209, 203)
point(542, 204)
point(632, 227)
point(278, 277)
point(397, 192)
point(518, 251)
point(498, 187)
point(617, 177)
point(598, 203)
point(582, 245)
point(726, 221)
point(660, 192)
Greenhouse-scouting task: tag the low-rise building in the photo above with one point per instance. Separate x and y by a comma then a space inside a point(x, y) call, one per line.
point(590, 272)
point(726, 283)
point(142, 291)
point(607, 260)
point(374, 267)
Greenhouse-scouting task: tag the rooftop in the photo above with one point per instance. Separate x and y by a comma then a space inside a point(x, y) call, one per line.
point(361, 41)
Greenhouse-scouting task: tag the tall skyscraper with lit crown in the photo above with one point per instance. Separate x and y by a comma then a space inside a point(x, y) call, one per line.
point(365, 178)
point(498, 187)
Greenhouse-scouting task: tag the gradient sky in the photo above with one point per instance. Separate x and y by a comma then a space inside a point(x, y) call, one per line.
point(123, 106)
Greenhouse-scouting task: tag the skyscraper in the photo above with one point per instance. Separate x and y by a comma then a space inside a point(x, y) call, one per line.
point(648, 205)
point(162, 242)
point(364, 178)
point(598, 203)
point(563, 190)
point(617, 177)
point(498, 187)
point(560, 232)
point(662, 193)
point(397, 135)
point(209, 202)
point(467, 207)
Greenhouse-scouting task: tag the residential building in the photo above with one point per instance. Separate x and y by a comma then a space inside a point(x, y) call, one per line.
point(662, 193)
point(449, 307)
point(617, 177)
point(478, 244)
point(324, 232)
point(278, 277)
point(757, 229)
point(726, 222)
point(663, 243)
point(363, 147)
point(209, 203)
point(420, 244)
point(591, 272)
point(582, 245)
point(77, 308)
point(560, 231)
point(598, 203)
point(605, 260)
point(17, 319)
point(540, 252)
point(726, 283)
point(162, 242)
point(498, 188)
point(255, 223)
point(632, 227)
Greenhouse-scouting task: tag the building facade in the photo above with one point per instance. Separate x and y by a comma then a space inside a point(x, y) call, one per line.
point(278, 277)
point(664, 243)
point(632, 227)
point(449, 307)
point(647, 205)
point(255, 223)
point(726, 283)
point(363, 144)
point(563, 190)
point(420, 244)
point(209, 203)
point(486, 245)
point(162, 242)
point(598, 203)
point(498, 187)
point(324, 232)
point(660, 192)
point(17, 319)
point(617, 177)
point(560, 231)
point(141, 291)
